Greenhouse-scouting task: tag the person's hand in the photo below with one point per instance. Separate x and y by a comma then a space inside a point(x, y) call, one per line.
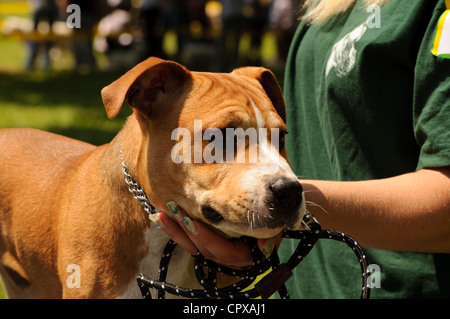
point(194, 235)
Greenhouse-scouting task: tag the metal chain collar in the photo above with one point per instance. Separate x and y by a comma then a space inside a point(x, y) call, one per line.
point(136, 189)
point(267, 286)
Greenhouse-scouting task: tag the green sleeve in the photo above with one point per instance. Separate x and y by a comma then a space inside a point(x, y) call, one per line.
point(432, 100)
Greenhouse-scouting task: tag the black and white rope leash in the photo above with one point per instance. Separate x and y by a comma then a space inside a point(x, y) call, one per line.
point(267, 286)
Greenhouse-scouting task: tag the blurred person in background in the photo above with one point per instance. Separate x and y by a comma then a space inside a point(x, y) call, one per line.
point(232, 24)
point(283, 20)
point(91, 13)
point(43, 10)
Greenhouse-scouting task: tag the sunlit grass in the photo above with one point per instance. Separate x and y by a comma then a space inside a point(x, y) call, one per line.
point(64, 103)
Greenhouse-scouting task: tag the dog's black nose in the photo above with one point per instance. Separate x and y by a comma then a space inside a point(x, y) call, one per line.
point(287, 195)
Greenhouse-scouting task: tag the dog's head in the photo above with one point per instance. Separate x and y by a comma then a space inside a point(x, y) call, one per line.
point(214, 144)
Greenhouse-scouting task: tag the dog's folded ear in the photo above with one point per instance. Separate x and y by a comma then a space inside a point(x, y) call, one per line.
point(270, 85)
point(143, 85)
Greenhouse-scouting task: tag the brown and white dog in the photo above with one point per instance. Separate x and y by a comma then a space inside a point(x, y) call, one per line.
point(64, 204)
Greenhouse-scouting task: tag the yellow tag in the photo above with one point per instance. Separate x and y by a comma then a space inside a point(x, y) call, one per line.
point(257, 280)
point(441, 45)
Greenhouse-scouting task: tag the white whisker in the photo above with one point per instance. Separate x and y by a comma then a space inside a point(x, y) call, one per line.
point(316, 205)
point(249, 220)
point(311, 190)
point(253, 218)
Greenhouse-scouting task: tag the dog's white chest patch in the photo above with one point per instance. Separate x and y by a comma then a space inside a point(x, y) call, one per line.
point(178, 273)
point(149, 265)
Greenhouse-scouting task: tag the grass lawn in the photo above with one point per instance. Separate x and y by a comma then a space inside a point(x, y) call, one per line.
point(63, 102)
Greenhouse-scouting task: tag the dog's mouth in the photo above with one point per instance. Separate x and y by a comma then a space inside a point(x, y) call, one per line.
point(211, 214)
point(264, 223)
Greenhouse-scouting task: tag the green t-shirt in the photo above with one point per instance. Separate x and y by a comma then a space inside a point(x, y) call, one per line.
point(366, 99)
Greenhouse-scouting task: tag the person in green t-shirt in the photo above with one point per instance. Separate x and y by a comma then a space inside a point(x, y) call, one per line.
point(367, 89)
point(373, 123)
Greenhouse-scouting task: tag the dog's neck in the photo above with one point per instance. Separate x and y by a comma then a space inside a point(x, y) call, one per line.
point(123, 150)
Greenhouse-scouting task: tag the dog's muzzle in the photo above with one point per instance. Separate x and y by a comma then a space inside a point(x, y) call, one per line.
point(279, 208)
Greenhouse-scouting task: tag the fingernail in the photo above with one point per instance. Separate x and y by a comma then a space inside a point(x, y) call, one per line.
point(156, 220)
point(190, 225)
point(267, 247)
point(173, 208)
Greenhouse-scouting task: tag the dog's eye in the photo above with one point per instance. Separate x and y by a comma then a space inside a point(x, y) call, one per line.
point(282, 139)
point(230, 139)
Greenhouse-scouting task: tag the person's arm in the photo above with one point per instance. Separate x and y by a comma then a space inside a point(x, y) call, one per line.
point(410, 212)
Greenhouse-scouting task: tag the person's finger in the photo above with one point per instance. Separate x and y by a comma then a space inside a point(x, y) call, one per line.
point(211, 245)
point(233, 253)
point(174, 231)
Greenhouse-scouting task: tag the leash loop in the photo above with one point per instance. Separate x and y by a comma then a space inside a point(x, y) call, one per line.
point(268, 285)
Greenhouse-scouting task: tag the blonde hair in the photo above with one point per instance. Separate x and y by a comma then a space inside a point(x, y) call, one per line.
point(318, 11)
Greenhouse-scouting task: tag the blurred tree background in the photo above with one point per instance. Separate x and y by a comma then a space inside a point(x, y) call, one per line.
point(51, 74)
